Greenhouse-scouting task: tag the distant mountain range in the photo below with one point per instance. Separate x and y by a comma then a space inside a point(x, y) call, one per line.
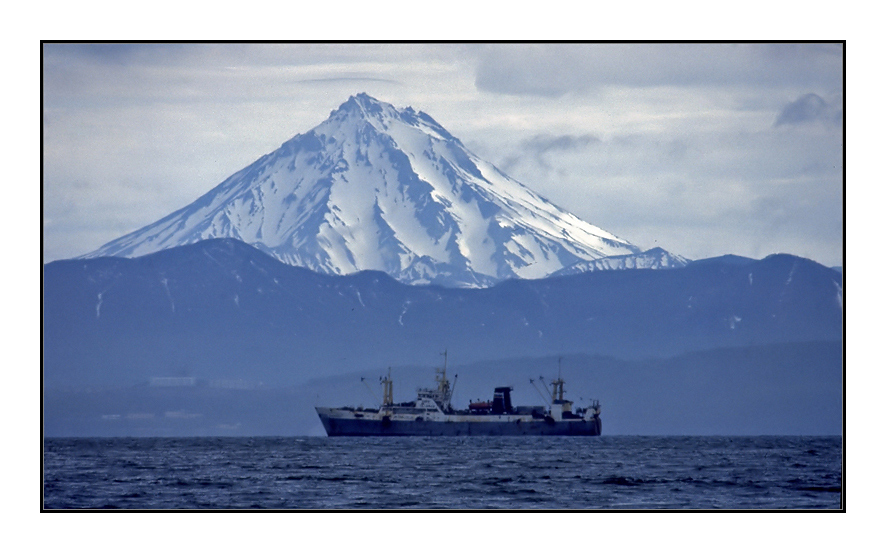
point(774, 389)
point(223, 309)
point(379, 188)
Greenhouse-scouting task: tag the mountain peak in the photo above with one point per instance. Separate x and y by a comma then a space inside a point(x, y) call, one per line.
point(362, 104)
point(366, 101)
point(365, 107)
point(379, 188)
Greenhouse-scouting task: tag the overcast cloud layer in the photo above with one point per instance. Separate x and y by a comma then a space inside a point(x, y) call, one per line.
point(702, 149)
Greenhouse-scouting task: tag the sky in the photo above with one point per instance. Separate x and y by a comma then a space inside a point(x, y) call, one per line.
point(703, 149)
point(132, 133)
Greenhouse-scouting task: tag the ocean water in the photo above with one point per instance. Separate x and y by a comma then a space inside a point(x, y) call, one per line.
point(460, 473)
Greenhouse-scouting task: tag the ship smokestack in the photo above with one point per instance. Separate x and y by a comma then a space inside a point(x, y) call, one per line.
point(501, 401)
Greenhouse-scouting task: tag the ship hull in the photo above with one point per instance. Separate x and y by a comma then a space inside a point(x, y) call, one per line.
point(373, 427)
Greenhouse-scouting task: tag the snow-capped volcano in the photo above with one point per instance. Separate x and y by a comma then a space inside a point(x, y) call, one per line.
point(376, 187)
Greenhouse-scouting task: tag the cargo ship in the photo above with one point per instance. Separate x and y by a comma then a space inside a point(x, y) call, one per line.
point(432, 414)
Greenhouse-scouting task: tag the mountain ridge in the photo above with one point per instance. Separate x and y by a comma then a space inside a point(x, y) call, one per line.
point(224, 308)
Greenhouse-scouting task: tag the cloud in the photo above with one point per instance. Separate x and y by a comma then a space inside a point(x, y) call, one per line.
point(538, 146)
point(807, 109)
point(350, 78)
point(556, 70)
point(115, 53)
point(541, 144)
point(742, 187)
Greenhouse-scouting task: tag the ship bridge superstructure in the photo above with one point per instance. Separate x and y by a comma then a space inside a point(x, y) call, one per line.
point(442, 394)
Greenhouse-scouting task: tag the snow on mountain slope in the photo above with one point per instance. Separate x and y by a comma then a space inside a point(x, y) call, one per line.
point(656, 258)
point(375, 187)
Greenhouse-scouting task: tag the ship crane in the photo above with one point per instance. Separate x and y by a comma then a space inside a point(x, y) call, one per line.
point(452, 391)
point(375, 397)
point(543, 398)
point(551, 395)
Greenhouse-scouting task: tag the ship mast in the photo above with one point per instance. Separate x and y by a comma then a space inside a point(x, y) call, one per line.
point(388, 395)
point(443, 389)
point(558, 390)
point(557, 396)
